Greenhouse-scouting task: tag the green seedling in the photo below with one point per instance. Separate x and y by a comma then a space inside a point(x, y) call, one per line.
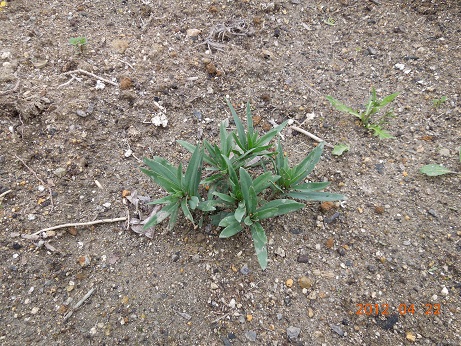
point(245, 181)
point(373, 106)
point(433, 170)
point(330, 21)
point(78, 42)
point(438, 102)
point(340, 149)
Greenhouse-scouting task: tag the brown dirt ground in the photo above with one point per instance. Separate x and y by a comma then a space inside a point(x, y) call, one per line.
point(396, 241)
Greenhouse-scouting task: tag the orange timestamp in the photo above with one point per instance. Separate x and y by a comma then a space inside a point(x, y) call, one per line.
point(402, 309)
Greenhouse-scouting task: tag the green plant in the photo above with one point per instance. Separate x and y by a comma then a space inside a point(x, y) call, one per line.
point(78, 42)
point(340, 149)
point(438, 102)
point(240, 182)
point(373, 106)
point(433, 170)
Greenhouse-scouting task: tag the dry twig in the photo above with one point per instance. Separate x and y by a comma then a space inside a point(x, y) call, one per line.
point(77, 224)
point(91, 75)
point(79, 303)
point(314, 137)
point(38, 178)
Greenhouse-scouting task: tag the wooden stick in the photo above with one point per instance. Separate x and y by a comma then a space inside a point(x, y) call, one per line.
point(77, 224)
point(91, 75)
point(5, 193)
point(314, 137)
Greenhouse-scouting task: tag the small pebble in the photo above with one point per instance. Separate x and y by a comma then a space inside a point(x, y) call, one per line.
point(293, 333)
point(337, 329)
point(305, 282)
point(34, 310)
point(59, 172)
point(251, 335)
point(432, 212)
point(444, 291)
point(303, 258)
point(244, 270)
point(289, 283)
point(213, 286)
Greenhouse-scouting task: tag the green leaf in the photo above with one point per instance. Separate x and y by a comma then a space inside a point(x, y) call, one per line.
point(188, 146)
point(264, 181)
point(342, 107)
point(240, 212)
point(379, 131)
point(263, 140)
point(232, 227)
point(316, 196)
point(281, 206)
point(248, 221)
point(165, 200)
point(313, 186)
point(238, 124)
point(388, 99)
point(259, 241)
point(167, 184)
point(173, 218)
point(245, 183)
point(186, 211)
point(226, 198)
point(193, 202)
point(339, 149)
point(209, 205)
point(194, 171)
point(433, 170)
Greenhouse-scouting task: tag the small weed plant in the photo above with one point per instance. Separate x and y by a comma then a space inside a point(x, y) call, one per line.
point(79, 43)
point(373, 106)
point(438, 102)
point(237, 183)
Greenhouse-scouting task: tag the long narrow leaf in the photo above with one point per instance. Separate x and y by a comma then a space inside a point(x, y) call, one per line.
point(186, 211)
point(342, 107)
point(194, 171)
point(316, 196)
point(314, 186)
point(238, 124)
point(173, 217)
point(283, 206)
point(388, 99)
point(167, 184)
point(252, 200)
point(263, 140)
point(259, 241)
point(225, 198)
point(306, 166)
point(245, 183)
point(251, 135)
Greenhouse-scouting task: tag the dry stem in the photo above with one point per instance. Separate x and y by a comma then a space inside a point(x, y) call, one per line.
point(91, 75)
point(76, 224)
point(314, 137)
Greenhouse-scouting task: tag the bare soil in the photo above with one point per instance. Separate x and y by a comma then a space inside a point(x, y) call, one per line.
point(385, 272)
